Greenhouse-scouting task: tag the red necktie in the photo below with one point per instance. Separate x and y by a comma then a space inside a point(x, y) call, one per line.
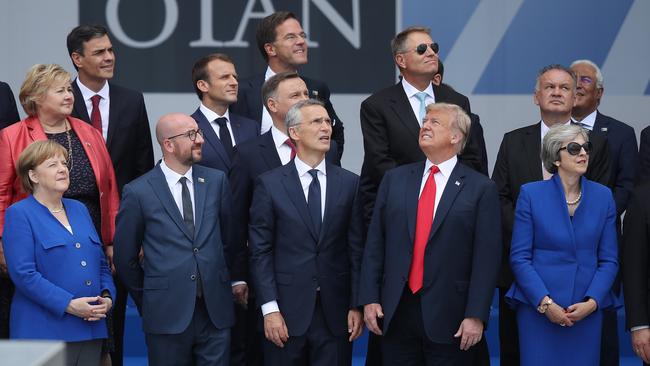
point(422, 230)
point(95, 115)
point(292, 146)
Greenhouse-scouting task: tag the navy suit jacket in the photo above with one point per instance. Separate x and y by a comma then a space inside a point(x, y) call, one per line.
point(623, 157)
point(567, 259)
point(164, 287)
point(214, 155)
point(462, 256)
point(249, 104)
point(643, 174)
point(129, 136)
point(8, 111)
point(289, 261)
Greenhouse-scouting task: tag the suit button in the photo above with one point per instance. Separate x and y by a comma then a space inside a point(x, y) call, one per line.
point(193, 277)
point(83, 263)
point(89, 282)
point(195, 250)
point(77, 245)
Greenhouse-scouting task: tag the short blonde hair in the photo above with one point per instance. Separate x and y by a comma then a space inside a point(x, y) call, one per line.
point(35, 154)
point(38, 79)
point(460, 121)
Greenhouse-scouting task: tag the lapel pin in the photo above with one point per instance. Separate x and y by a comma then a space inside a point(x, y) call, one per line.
point(603, 129)
point(457, 183)
point(201, 180)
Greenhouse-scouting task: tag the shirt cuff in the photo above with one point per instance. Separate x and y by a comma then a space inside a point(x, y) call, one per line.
point(270, 307)
point(235, 283)
point(639, 327)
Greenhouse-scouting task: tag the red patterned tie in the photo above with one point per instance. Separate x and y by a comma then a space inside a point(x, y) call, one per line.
point(422, 230)
point(292, 146)
point(96, 116)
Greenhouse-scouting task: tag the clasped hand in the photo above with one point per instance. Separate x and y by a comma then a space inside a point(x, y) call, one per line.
point(90, 308)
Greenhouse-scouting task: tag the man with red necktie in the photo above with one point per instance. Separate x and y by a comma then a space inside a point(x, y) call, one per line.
point(432, 254)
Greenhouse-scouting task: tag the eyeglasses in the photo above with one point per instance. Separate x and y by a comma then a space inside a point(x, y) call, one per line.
point(586, 80)
point(320, 121)
point(574, 148)
point(422, 48)
point(191, 134)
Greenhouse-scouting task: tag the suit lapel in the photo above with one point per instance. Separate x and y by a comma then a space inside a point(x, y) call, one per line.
point(161, 189)
point(532, 146)
point(400, 104)
point(412, 196)
point(291, 183)
point(114, 115)
point(79, 103)
point(601, 125)
point(256, 103)
point(454, 185)
point(199, 184)
point(332, 196)
point(211, 137)
point(269, 152)
point(236, 128)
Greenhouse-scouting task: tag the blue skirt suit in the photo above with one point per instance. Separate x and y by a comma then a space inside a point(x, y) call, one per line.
point(51, 266)
point(568, 259)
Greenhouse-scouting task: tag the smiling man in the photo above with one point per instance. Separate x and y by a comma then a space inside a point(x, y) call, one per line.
point(518, 162)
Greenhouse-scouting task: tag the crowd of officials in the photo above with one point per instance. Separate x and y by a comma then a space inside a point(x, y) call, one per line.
point(248, 244)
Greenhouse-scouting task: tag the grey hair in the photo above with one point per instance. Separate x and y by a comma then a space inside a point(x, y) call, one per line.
point(398, 44)
point(294, 115)
point(600, 82)
point(553, 141)
point(548, 68)
point(460, 120)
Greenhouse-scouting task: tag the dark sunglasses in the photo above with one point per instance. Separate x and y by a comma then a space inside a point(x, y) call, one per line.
point(422, 48)
point(574, 148)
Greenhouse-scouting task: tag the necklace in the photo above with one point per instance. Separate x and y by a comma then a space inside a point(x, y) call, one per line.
point(575, 202)
point(70, 158)
point(56, 211)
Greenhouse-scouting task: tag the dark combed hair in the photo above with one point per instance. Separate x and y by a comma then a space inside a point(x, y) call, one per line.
point(200, 69)
point(81, 34)
point(266, 33)
point(270, 87)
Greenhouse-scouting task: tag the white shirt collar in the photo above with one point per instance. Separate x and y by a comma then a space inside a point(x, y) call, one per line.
point(446, 167)
point(410, 90)
point(171, 176)
point(590, 120)
point(545, 127)
point(279, 137)
point(303, 168)
point(269, 73)
point(87, 93)
point(212, 115)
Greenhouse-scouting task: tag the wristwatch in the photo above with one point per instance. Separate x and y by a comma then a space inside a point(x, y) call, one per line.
point(544, 306)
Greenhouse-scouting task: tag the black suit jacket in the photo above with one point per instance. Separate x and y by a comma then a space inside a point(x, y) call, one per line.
point(636, 258)
point(252, 158)
point(623, 154)
point(129, 136)
point(390, 137)
point(519, 162)
point(643, 174)
point(289, 260)
point(8, 110)
point(462, 255)
point(249, 103)
point(214, 154)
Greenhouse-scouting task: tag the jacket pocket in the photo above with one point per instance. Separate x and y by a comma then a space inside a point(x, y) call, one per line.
point(52, 243)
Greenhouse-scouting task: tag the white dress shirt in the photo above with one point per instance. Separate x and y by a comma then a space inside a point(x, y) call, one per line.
point(267, 121)
point(589, 121)
point(441, 177)
point(279, 139)
point(175, 186)
point(411, 91)
point(211, 116)
point(104, 103)
point(305, 180)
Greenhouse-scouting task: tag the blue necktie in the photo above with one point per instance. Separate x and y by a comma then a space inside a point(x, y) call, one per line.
point(421, 96)
point(224, 135)
point(313, 201)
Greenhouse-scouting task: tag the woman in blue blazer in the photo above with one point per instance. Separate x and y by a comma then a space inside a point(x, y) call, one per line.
point(563, 256)
point(55, 259)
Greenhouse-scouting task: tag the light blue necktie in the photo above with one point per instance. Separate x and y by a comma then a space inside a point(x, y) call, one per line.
point(421, 96)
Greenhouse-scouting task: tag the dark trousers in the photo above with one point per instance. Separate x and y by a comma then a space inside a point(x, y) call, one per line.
point(247, 341)
point(83, 353)
point(118, 314)
point(508, 332)
point(317, 347)
point(406, 342)
point(200, 344)
point(609, 339)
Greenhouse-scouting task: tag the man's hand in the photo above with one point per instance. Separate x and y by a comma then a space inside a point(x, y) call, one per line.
point(581, 310)
point(355, 324)
point(108, 250)
point(275, 330)
point(641, 344)
point(240, 293)
point(372, 312)
point(470, 332)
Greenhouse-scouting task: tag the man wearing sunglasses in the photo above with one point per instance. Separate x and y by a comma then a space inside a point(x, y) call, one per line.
point(283, 44)
point(179, 214)
point(518, 162)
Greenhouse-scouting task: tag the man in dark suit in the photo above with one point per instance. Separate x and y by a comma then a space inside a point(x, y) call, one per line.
point(636, 251)
point(623, 153)
point(518, 162)
point(215, 82)
point(179, 214)
point(434, 299)
point(8, 111)
point(121, 116)
point(306, 243)
point(283, 45)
